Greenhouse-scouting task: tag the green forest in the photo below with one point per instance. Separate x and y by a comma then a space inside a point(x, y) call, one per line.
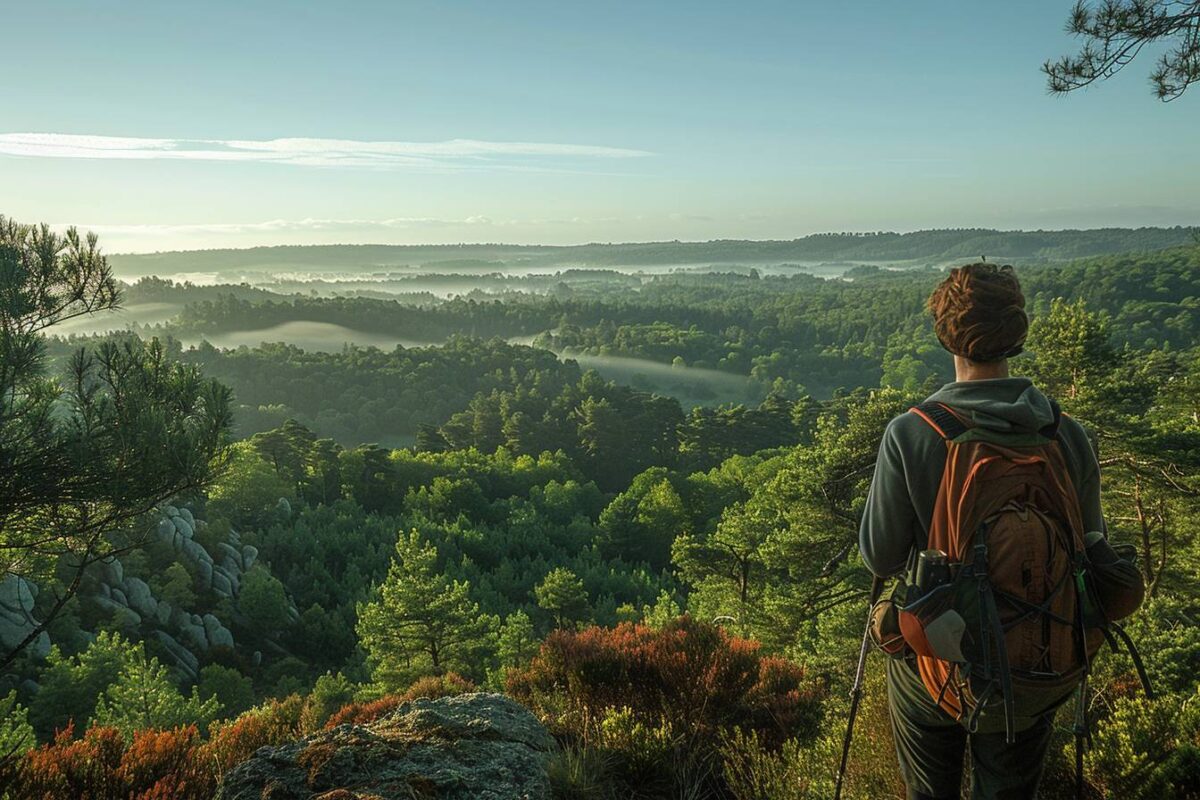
point(628, 500)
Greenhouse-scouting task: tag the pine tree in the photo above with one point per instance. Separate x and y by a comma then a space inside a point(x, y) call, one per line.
point(561, 594)
point(1115, 31)
point(422, 622)
point(127, 429)
point(144, 697)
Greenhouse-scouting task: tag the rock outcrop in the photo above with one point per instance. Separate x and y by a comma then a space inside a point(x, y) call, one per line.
point(470, 747)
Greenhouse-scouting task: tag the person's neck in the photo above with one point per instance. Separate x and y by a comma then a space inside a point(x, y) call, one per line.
point(965, 370)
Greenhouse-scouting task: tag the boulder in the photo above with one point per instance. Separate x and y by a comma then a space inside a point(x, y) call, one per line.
point(17, 594)
point(163, 613)
point(179, 655)
point(184, 527)
point(170, 510)
point(186, 514)
point(13, 630)
point(221, 584)
point(231, 557)
point(119, 597)
point(205, 570)
point(165, 530)
point(218, 634)
point(192, 550)
point(470, 747)
point(249, 555)
point(193, 636)
point(141, 600)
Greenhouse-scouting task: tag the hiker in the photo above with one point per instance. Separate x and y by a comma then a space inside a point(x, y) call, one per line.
point(979, 317)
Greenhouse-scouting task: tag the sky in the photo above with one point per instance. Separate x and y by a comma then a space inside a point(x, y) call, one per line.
point(170, 125)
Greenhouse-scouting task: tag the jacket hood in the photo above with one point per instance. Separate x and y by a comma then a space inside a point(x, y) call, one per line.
point(1011, 405)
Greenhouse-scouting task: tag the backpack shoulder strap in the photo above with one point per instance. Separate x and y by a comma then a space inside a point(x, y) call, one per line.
point(939, 417)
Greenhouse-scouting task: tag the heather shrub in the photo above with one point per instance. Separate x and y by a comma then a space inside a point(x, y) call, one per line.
point(88, 767)
point(431, 687)
point(692, 676)
point(272, 723)
point(641, 710)
point(161, 764)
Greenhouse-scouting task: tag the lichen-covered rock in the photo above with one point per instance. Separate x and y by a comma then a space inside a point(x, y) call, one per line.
point(112, 572)
point(140, 598)
point(184, 527)
point(178, 655)
point(249, 554)
point(221, 585)
point(470, 747)
point(218, 634)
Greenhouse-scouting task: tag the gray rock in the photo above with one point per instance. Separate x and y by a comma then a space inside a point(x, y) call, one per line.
point(230, 556)
point(13, 630)
point(218, 634)
point(193, 552)
point(234, 538)
point(249, 556)
point(186, 514)
point(285, 506)
point(140, 598)
point(165, 530)
point(112, 572)
point(163, 613)
point(221, 584)
point(181, 657)
point(29, 687)
point(17, 594)
point(205, 570)
point(184, 527)
point(192, 635)
point(119, 598)
point(113, 608)
point(170, 510)
point(105, 590)
point(471, 747)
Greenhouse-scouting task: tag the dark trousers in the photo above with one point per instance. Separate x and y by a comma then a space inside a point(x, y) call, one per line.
point(930, 746)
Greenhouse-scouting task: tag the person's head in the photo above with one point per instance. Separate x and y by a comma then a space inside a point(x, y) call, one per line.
point(979, 314)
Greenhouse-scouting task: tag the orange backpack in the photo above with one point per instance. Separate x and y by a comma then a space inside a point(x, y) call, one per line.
point(1014, 602)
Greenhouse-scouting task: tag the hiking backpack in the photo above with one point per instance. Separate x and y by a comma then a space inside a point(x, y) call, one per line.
point(1014, 625)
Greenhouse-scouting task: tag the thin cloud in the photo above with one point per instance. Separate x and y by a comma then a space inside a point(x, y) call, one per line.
point(451, 154)
point(314, 225)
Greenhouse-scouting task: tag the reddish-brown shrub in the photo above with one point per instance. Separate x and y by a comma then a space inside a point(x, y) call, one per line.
point(231, 743)
point(164, 764)
point(431, 686)
point(69, 767)
point(156, 764)
point(434, 686)
point(693, 676)
point(362, 713)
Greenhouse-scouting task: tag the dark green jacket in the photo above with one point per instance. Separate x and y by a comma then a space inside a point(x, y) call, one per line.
point(912, 457)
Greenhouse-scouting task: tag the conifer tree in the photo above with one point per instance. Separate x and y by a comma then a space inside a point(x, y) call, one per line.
point(84, 459)
point(422, 621)
point(143, 696)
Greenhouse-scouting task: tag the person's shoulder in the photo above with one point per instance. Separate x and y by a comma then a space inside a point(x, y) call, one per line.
point(1073, 430)
point(910, 428)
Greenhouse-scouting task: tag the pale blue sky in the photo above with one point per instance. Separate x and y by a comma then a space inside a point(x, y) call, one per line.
point(562, 122)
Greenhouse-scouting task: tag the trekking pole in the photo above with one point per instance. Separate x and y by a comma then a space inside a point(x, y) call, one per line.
point(856, 692)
